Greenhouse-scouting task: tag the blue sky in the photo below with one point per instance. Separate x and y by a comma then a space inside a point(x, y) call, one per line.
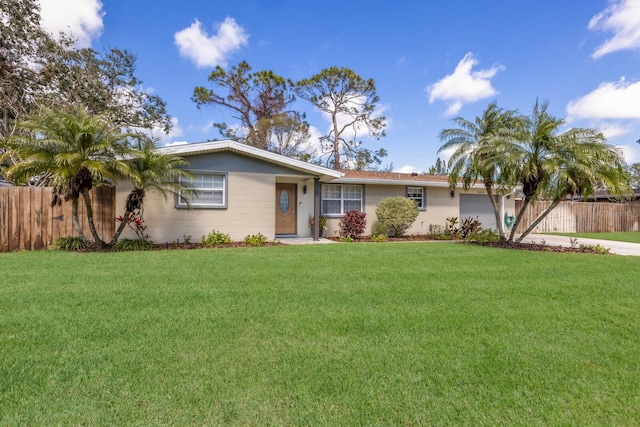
point(431, 60)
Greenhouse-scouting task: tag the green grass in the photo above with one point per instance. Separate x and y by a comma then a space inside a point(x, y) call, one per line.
point(350, 334)
point(622, 236)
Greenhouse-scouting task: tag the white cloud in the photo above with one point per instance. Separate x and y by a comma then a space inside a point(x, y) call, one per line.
point(614, 130)
point(162, 139)
point(464, 85)
point(209, 51)
point(622, 18)
point(611, 100)
point(407, 169)
point(629, 153)
point(82, 18)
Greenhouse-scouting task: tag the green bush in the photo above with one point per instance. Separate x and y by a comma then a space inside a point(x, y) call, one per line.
point(379, 229)
point(132, 245)
point(256, 239)
point(598, 248)
point(69, 244)
point(484, 236)
point(216, 238)
point(438, 232)
point(378, 237)
point(397, 214)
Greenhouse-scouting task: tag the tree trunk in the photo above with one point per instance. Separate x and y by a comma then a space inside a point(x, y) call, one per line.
point(92, 227)
point(496, 210)
point(533, 225)
point(123, 224)
point(336, 144)
point(76, 220)
point(526, 202)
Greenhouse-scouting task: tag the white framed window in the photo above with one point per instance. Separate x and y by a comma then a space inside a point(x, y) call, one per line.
point(337, 199)
point(417, 194)
point(205, 191)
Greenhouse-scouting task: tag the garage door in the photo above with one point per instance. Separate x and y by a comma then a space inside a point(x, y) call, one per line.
point(478, 206)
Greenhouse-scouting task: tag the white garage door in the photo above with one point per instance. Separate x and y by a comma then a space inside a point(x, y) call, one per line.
point(478, 206)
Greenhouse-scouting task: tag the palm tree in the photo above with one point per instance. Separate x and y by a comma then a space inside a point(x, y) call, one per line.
point(76, 150)
point(548, 163)
point(150, 170)
point(471, 141)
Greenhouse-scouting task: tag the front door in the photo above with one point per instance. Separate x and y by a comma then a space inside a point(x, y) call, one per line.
point(286, 204)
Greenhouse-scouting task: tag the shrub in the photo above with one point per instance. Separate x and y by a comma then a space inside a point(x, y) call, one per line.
point(397, 214)
point(255, 239)
point(595, 248)
point(379, 229)
point(437, 232)
point(216, 238)
point(484, 236)
point(469, 227)
point(132, 245)
point(69, 244)
point(452, 230)
point(378, 237)
point(352, 224)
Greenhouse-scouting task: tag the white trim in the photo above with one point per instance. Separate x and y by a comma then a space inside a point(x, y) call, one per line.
point(342, 199)
point(422, 198)
point(407, 183)
point(227, 145)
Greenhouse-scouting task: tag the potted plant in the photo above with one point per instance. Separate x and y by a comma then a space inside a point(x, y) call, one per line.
point(323, 225)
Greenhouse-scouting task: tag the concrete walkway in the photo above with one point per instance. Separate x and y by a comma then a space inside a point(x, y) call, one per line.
point(618, 248)
point(303, 241)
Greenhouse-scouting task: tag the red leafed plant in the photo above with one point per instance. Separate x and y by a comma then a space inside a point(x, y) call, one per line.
point(135, 223)
point(353, 224)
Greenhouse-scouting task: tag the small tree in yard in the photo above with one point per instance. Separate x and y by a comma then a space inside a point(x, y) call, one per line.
point(76, 151)
point(353, 224)
point(397, 214)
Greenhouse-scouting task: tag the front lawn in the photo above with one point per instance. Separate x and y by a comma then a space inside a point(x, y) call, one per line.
point(345, 334)
point(621, 236)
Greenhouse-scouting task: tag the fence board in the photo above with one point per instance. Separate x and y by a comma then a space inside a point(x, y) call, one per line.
point(36, 219)
point(28, 222)
point(582, 217)
point(14, 218)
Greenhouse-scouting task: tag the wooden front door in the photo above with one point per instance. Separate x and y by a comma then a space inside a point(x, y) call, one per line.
point(286, 207)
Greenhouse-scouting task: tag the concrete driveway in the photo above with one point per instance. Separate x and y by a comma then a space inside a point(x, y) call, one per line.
point(618, 248)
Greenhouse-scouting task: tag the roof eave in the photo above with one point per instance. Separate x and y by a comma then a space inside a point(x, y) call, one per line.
point(410, 183)
point(217, 146)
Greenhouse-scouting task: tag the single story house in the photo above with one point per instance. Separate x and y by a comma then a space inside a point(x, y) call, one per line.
point(243, 190)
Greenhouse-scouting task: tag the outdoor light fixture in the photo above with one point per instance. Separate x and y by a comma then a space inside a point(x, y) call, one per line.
point(453, 193)
point(304, 189)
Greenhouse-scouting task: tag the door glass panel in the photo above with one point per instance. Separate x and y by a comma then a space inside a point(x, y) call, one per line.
point(284, 202)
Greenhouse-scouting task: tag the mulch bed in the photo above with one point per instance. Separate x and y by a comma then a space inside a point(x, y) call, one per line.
point(517, 246)
point(175, 246)
point(367, 239)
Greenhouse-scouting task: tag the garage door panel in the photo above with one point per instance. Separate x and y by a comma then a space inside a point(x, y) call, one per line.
point(478, 206)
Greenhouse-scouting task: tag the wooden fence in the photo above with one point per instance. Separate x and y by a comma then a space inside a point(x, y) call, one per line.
point(582, 217)
point(28, 222)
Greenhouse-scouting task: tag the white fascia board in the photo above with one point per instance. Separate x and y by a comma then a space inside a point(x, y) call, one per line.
point(215, 146)
point(401, 182)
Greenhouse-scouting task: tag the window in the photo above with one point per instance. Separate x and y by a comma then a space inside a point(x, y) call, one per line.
point(338, 199)
point(207, 191)
point(417, 194)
